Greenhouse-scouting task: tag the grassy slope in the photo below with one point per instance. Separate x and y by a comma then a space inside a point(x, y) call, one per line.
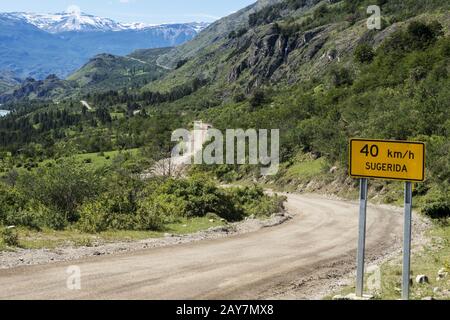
point(99, 160)
point(426, 261)
point(30, 239)
point(96, 160)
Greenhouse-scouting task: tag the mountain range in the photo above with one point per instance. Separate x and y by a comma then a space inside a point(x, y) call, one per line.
point(82, 22)
point(36, 45)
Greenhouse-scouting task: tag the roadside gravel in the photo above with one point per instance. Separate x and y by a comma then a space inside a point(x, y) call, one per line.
point(26, 257)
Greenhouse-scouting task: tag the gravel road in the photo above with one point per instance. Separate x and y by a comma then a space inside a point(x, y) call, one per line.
point(298, 259)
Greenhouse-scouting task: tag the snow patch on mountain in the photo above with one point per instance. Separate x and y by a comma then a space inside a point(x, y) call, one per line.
point(71, 21)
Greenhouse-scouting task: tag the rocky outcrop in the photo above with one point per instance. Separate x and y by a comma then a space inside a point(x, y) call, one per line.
point(263, 56)
point(237, 71)
point(314, 48)
point(311, 34)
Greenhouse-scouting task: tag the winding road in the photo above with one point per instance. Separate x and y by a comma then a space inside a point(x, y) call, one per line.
point(294, 260)
point(86, 104)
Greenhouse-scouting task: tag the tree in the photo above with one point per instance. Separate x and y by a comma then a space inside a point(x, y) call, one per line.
point(422, 34)
point(341, 77)
point(63, 187)
point(364, 53)
point(181, 63)
point(320, 12)
point(258, 98)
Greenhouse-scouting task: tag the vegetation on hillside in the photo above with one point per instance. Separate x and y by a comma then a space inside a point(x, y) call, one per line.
point(69, 194)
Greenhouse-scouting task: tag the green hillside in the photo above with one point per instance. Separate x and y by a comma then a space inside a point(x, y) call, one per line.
point(106, 72)
point(103, 72)
point(291, 42)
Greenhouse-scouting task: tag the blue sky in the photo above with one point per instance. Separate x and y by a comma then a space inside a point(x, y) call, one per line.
point(149, 11)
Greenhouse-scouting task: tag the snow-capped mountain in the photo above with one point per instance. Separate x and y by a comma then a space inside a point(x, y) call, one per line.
point(37, 45)
point(76, 21)
point(198, 26)
point(66, 22)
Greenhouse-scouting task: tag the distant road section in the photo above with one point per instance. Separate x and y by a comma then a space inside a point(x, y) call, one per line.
point(137, 60)
point(84, 103)
point(311, 249)
point(162, 66)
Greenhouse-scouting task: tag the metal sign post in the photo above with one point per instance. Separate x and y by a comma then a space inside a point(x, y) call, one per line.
point(362, 237)
point(407, 241)
point(393, 160)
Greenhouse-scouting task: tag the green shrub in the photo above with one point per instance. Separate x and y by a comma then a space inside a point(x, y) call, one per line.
point(107, 213)
point(364, 53)
point(117, 212)
point(253, 201)
point(170, 205)
point(320, 12)
point(63, 187)
point(266, 206)
point(93, 218)
point(258, 98)
point(25, 217)
point(11, 201)
point(341, 77)
point(35, 215)
point(417, 36)
point(438, 209)
point(198, 195)
point(151, 215)
point(127, 204)
point(181, 63)
point(10, 237)
point(193, 197)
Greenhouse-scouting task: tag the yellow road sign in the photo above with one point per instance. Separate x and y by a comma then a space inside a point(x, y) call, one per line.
point(384, 159)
